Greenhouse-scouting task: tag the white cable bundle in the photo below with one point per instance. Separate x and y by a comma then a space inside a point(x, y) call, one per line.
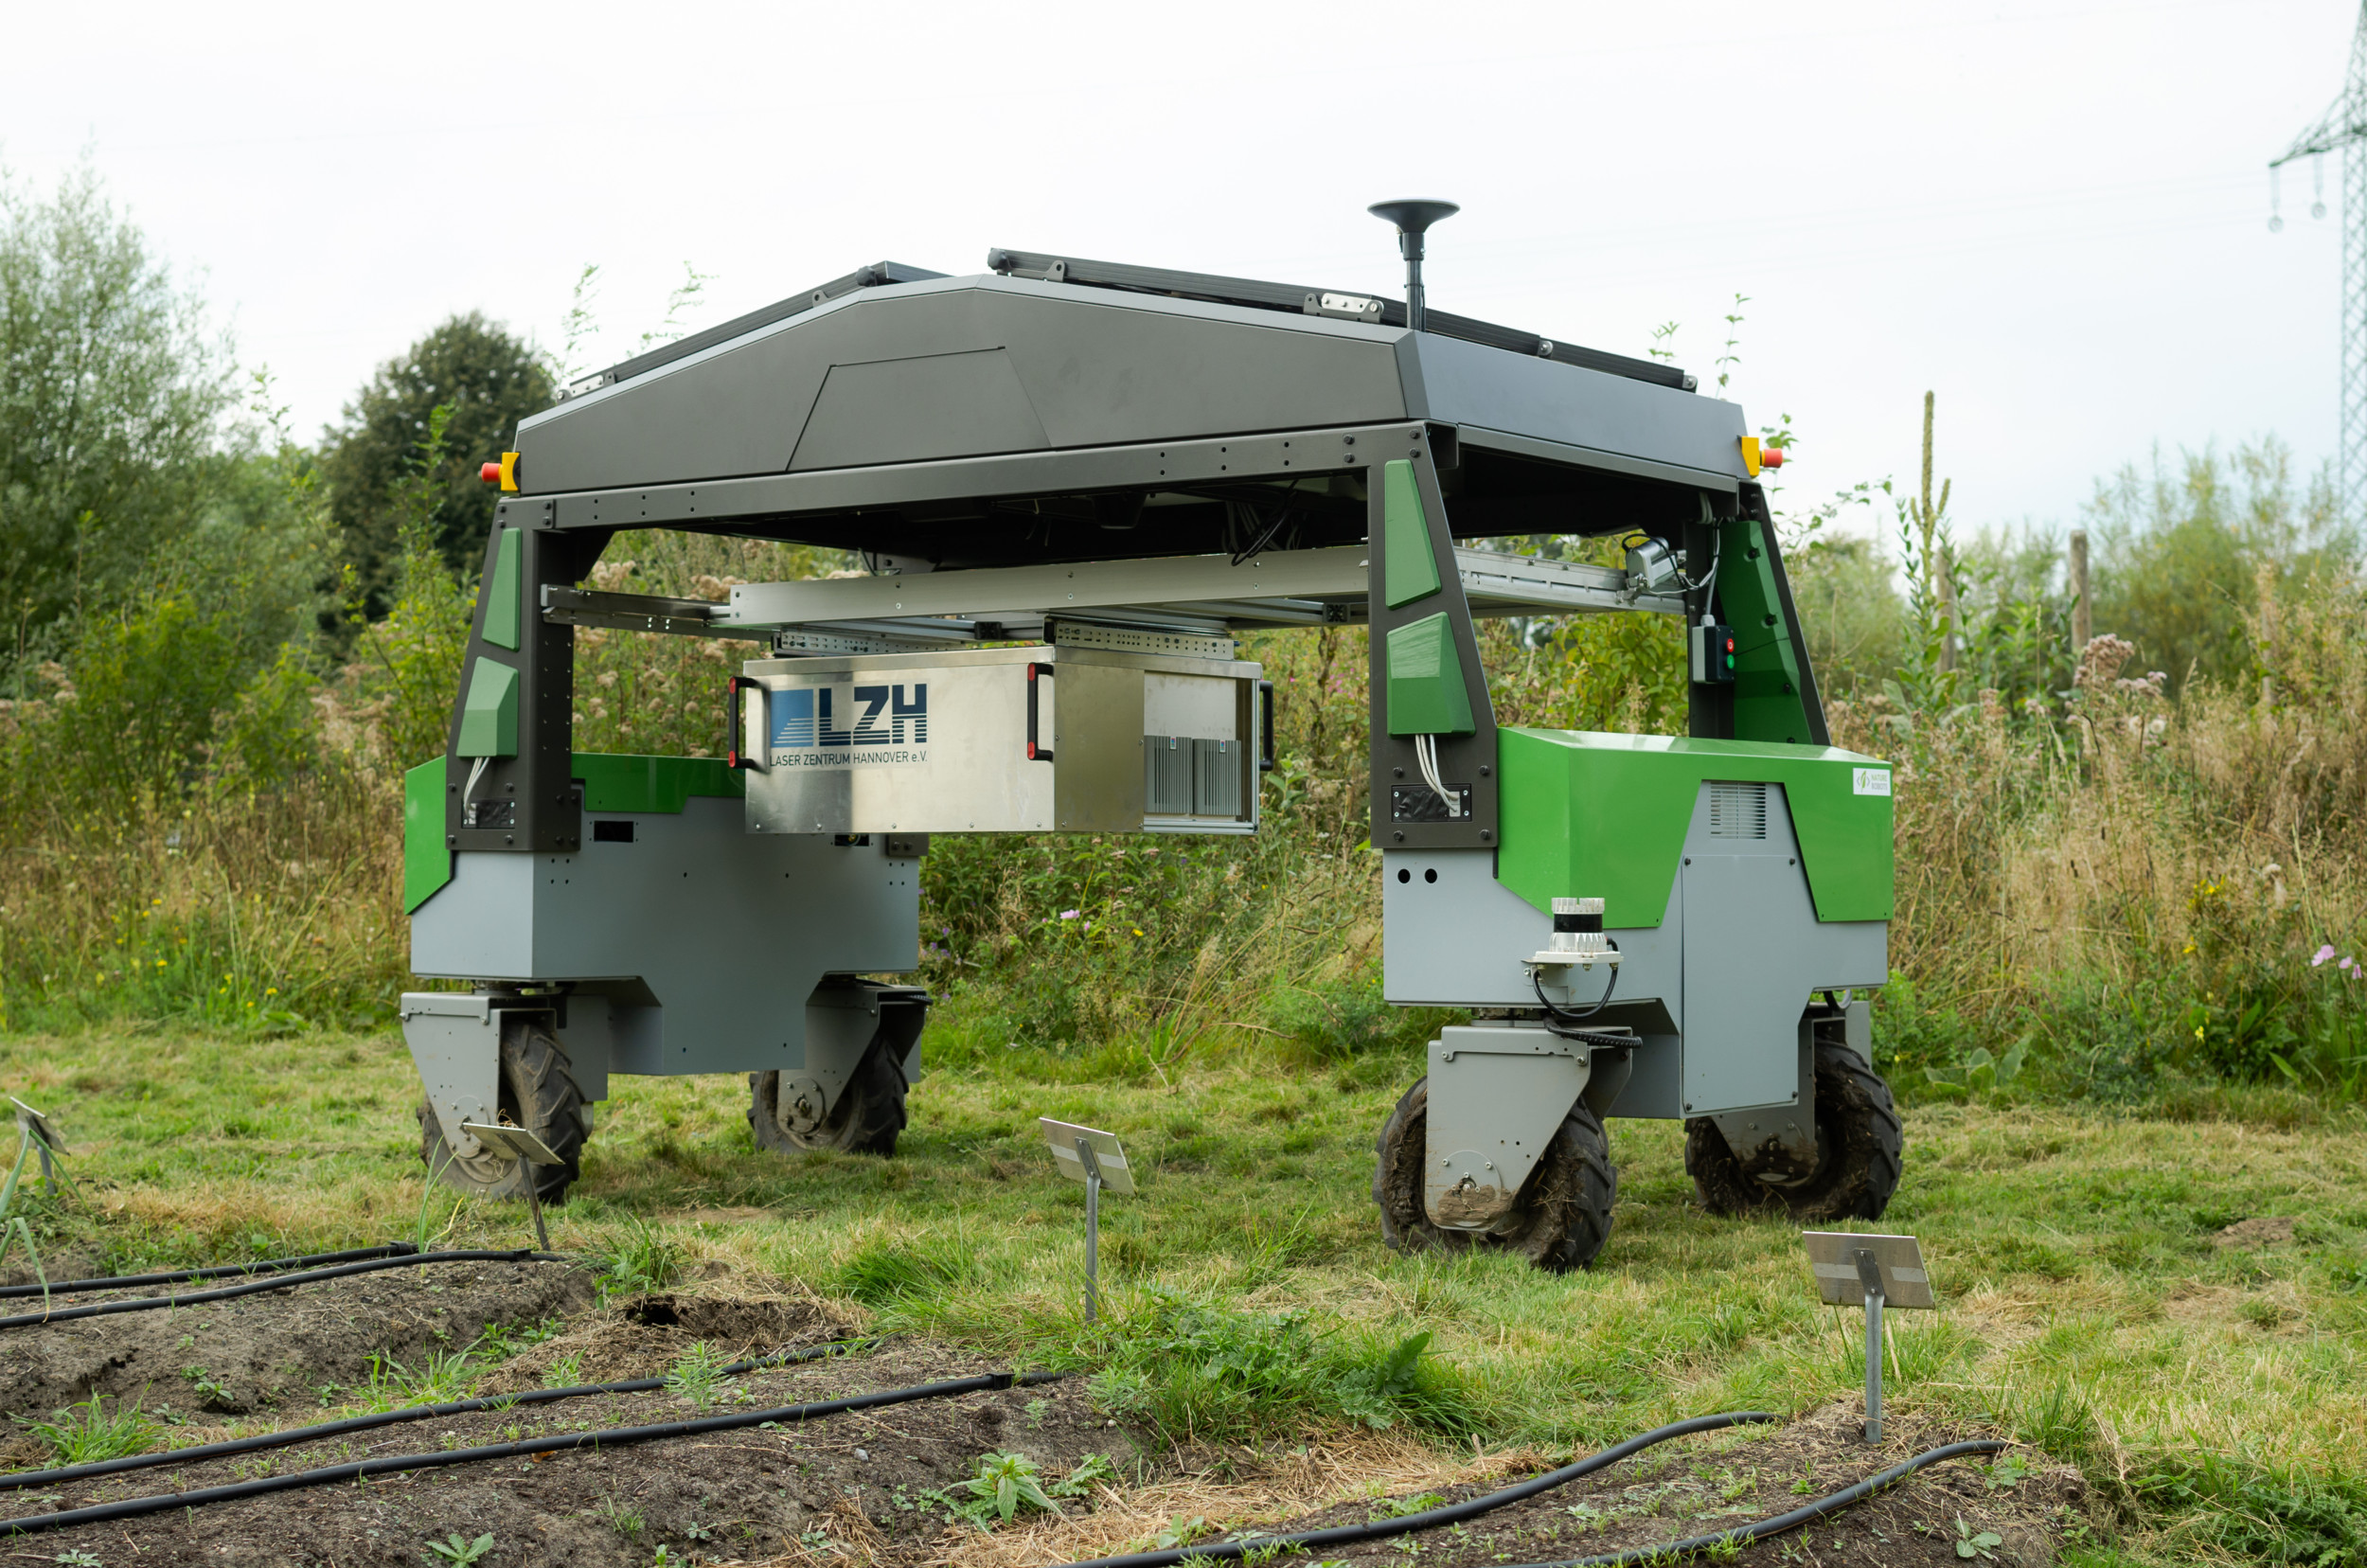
point(1426, 757)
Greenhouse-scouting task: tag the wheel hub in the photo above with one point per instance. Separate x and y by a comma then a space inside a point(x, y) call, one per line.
point(800, 1105)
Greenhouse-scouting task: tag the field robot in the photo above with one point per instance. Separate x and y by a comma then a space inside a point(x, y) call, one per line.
point(1072, 484)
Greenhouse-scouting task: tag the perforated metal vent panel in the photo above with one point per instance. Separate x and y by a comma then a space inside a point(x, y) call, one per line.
point(1737, 811)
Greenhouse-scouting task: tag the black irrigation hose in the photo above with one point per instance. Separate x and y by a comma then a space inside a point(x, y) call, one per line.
point(280, 1282)
point(293, 1435)
point(1455, 1513)
point(272, 1265)
point(1807, 1513)
point(135, 1507)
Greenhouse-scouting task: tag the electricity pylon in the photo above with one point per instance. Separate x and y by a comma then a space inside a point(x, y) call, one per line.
point(2344, 128)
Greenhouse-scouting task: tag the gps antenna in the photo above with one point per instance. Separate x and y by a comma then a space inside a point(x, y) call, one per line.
point(1414, 219)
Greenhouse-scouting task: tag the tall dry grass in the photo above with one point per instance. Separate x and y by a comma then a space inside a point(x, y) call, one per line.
point(2131, 885)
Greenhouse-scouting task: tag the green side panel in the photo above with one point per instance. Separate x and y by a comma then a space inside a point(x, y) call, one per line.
point(1768, 705)
point(502, 609)
point(489, 720)
point(1410, 572)
point(617, 783)
point(426, 860)
point(1592, 815)
point(1426, 691)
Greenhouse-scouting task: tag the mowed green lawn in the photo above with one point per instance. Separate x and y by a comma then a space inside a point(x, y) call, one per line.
point(2087, 1301)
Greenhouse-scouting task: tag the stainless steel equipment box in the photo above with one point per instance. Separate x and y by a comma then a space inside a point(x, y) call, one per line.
point(1002, 741)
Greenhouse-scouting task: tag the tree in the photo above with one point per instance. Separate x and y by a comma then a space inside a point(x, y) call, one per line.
point(112, 389)
point(2186, 551)
point(489, 380)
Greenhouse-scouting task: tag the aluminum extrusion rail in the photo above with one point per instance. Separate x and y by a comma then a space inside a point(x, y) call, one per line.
point(1278, 588)
point(361, 1469)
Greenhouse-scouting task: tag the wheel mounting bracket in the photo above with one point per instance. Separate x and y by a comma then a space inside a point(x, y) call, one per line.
point(455, 1042)
point(1497, 1096)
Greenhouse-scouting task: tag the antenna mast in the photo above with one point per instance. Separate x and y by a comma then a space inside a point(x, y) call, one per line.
point(2344, 128)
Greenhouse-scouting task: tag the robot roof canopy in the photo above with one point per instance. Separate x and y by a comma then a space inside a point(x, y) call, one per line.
point(894, 410)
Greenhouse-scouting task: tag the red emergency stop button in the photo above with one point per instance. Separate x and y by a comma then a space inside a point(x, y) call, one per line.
point(490, 473)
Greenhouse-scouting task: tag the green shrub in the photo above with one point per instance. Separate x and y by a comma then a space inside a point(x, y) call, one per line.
point(1335, 1018)
point(1210, 1374)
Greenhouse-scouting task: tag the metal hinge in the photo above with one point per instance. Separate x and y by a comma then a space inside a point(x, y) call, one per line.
point(1347, 307)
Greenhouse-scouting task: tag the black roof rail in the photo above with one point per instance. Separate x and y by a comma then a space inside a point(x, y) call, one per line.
point(1306, 300)
point(862, 277)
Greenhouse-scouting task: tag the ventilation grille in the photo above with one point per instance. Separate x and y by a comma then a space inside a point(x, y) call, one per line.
point(1737, 811)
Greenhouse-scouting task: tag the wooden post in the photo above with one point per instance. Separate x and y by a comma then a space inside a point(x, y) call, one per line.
point(2083, 616)
point(1935, 562)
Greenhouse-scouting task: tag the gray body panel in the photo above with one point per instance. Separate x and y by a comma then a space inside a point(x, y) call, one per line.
point(1459, 941)
point(1497, 1096)
point(1715, 991)
point(705, 942)
point(968, 367)
point(1754, 954)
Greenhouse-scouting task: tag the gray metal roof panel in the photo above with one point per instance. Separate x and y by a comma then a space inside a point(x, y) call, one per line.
point(965, 366)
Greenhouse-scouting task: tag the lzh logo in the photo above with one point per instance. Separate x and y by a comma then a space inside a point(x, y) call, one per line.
point(824, 718)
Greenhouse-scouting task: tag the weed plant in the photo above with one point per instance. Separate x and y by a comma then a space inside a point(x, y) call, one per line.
point(88, 1433)
point(697, 1376)
point(1199, 1373)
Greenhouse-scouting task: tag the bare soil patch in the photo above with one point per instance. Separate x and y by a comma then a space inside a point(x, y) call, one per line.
point(642, 1337)
point(1701, 1487)
point(277, 1349)
point(1691, 1487)
point(2265, 1231)
point(848, 1483)
point(867, 1487)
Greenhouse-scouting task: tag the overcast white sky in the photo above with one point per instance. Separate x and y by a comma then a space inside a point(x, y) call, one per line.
point(2054, 214)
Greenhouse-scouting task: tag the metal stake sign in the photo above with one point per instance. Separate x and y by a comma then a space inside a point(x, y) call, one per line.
point(526, 1150)
point(1879, 1270)
point(34, 1128)
point(1097, 1159)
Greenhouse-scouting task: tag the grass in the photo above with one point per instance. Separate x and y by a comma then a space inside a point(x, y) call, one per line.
point(87, 1434)
point(2216, 1396)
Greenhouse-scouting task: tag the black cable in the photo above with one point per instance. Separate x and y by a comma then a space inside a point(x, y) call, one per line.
point(1807, 1513)
point(280, 1282)
point(1563, 1015)
point(135, 1507)
point(293, 1435)
point(125, 1282)
point(1453, 1513)
point(1267, 537)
